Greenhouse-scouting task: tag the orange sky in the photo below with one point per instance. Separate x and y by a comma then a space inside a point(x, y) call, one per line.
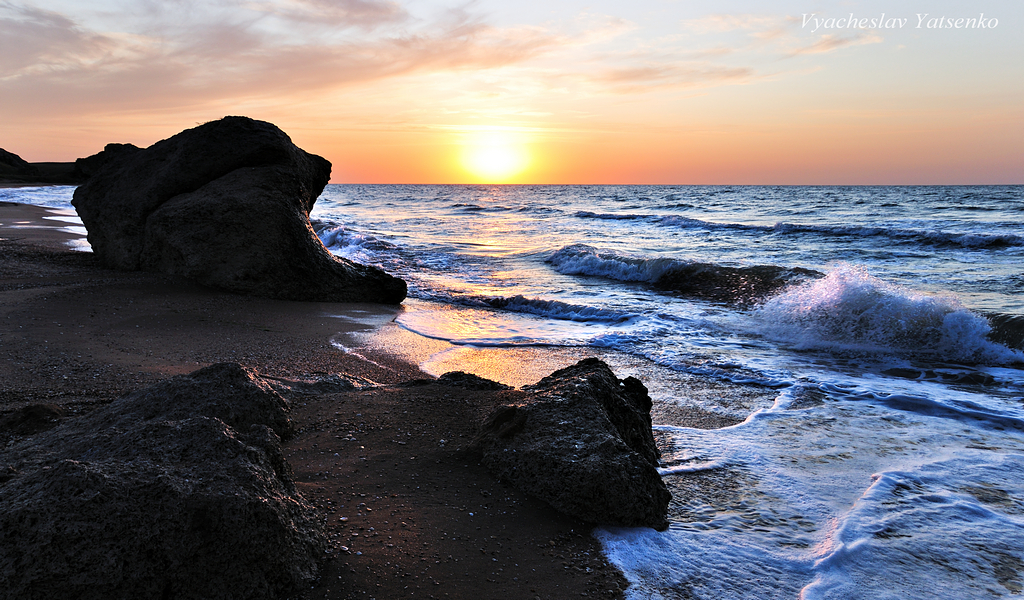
point(660, 91)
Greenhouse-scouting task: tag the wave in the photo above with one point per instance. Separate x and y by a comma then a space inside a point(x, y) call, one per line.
point(354, 246)
point(902, 235)
point(707, 281)
point(850, 312)
point(586, 214)
point(551, 309)
point(922, 236)
point(1007, 329)
point(556, 309)
point(469, 207)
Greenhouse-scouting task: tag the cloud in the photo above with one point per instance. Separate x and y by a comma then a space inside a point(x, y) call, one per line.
point(632, 79)
point(368, 14)
point(239, 56)
point(762, 39)
point(830, 42)
point(725, 23)
point(31, 37)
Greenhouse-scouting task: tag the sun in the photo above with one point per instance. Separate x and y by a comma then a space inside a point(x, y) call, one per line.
point(495, 157)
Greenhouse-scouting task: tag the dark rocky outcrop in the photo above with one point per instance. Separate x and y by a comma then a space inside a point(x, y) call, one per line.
point(90, 165)
point(225, 204)
point(14, 168)
point(583, 443)
point(177, 491)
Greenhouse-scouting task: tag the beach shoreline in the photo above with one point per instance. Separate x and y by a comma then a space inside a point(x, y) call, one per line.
point(430, 521)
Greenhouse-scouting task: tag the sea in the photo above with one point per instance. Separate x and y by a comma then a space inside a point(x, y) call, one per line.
point(865, 343)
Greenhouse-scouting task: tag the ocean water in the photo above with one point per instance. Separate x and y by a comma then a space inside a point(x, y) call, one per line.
point(867, 341)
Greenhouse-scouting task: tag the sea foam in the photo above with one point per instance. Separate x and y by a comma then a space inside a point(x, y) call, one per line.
point(851, 312)
point(704, 280)
point(583, 259)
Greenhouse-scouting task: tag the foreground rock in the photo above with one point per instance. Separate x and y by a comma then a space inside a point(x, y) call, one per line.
point(584, 444)
point(225, 204)
point(176, 491)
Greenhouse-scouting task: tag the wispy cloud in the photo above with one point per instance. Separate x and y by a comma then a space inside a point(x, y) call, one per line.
point(722, 23)
point(367, 14)
point(56, 63)
point(31, 37)
point(829, 42)
point(638, 78)
point(774, 34)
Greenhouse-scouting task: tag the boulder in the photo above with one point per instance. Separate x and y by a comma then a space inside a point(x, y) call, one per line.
point(227, 205)
point(177, 491)
point(583, 443)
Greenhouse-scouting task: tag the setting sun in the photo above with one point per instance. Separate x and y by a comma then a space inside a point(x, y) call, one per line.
point(495, 157)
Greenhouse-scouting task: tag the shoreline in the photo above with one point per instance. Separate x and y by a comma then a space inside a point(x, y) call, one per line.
point(77, 336)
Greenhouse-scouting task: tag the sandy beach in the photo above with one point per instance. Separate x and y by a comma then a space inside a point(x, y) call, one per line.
point(387, 463)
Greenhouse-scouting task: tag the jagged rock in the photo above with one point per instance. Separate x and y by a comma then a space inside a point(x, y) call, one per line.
point(177, 491)
point(225, 204)
point(583, 443)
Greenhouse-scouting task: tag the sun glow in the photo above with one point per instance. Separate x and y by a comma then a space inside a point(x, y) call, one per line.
point(495, 157)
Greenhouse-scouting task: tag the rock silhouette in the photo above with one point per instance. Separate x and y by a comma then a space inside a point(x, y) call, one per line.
point(225, 204)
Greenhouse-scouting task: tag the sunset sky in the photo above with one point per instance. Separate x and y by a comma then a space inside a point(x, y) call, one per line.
point(556, 91)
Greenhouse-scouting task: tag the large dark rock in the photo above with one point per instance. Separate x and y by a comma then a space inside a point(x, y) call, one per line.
point(583, 443)
point(225, 204)
point(177, 491)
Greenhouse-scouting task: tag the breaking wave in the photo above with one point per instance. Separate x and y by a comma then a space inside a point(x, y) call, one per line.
point(851, 312)
point(688, 278)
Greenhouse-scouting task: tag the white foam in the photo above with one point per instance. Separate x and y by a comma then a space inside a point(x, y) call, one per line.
point(581, 259)
point(852, 312)
point(958, 522)
point(846, 498)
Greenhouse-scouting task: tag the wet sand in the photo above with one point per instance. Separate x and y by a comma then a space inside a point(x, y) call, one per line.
point(411, 511)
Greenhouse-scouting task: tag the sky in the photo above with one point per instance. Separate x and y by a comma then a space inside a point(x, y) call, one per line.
point(538, 91)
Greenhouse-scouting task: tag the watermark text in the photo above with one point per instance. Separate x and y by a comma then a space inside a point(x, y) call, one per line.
point(815, 22)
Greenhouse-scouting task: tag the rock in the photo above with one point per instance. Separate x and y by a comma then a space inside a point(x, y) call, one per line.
point(14, 168)
point(227, 205)
point(33, 418)
point(90, 165)
point(583, 443)
point(177, 491)
point(317, 385)
point(470, 381)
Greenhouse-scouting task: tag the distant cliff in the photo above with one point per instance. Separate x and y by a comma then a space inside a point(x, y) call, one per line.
point(14, 169)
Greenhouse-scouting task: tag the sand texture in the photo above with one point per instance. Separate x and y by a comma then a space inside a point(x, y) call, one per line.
point(410, 511)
